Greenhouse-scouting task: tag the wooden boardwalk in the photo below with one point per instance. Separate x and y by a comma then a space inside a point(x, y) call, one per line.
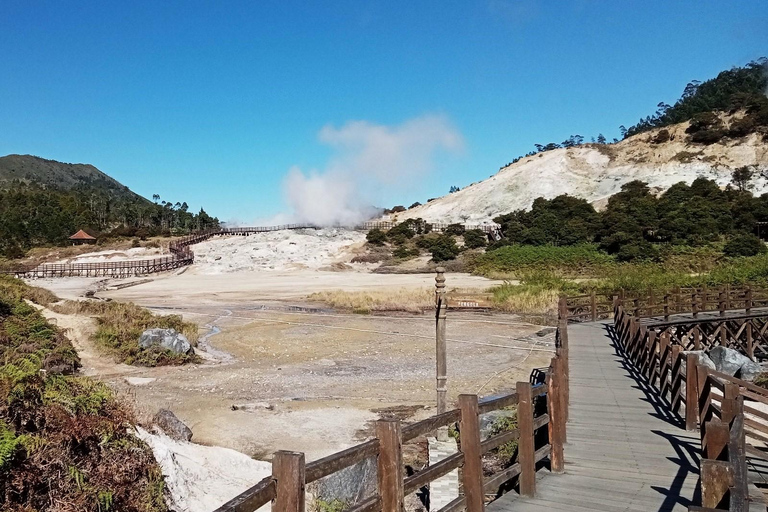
point(625, 450)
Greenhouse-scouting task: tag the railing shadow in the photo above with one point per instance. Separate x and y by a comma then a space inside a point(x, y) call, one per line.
point(687, 447)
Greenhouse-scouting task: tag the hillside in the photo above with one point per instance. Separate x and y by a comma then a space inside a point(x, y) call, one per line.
point(596, 171)
point(52, 174)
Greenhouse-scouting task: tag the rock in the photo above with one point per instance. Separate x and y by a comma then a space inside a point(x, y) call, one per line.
point(264, 406)
point(749, 370)
point(487, 421)
point(172, 426)
point(139, 381)
point(165, 338)
point(545, 331)
point(350, 485)
point(728, 360)
point(703, 359)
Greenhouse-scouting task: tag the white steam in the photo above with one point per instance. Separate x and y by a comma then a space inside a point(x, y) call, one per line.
point(369, 160)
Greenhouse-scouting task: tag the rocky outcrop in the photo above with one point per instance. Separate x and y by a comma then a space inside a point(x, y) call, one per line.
point(733, 362)
point(168, 339)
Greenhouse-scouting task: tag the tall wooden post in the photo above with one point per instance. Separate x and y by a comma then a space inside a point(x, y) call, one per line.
point(691, 392)
point(526, 448)
point(556, 414)
point(441, 360)
point(473, 457)
point(593, 305)
point(288, 472)
point(390, 466)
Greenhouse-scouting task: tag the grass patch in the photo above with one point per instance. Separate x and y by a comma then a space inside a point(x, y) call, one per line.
point(63, 438)
point(120, 325)
point(403, 299)
point(17, 290)
point(513, 260)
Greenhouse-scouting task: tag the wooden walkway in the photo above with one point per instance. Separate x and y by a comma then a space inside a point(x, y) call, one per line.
point(625, 450)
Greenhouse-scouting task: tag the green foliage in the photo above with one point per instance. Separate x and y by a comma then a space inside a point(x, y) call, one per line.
point(507, 451)
point(333, 505)
point(736, 88)
point(32, 215)
point(121, 324)
point(516, 258)
point(405, 252)
point(475, 238)
point(443, 248)
point(63, 438)
point(454, 229)
point(564, 220)
point(744, 245)
point(9, 445)
point(376, 237)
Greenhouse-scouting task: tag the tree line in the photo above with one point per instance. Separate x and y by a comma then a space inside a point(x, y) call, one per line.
point(31, 215)
point(637, 222)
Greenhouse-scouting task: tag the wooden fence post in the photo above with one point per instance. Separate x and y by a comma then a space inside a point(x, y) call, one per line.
point(390, 465)
point(728, 404)
point(593, 304)
point(675, 380)
point(556, 415)
point(472, 474)
point(737, 456)
point(562, 308)
point(526, 449)
point(288, 472)
point(691, 392)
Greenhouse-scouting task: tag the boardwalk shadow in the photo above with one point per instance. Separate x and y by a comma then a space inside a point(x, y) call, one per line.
point(687, 446)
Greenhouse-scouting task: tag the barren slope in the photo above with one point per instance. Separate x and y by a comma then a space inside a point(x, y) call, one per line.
point(595, 172)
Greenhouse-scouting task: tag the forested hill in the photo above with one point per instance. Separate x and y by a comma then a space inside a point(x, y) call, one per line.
point(43, 202)
point(52, 174)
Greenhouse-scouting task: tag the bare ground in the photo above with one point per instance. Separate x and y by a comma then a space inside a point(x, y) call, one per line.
point(299, 376)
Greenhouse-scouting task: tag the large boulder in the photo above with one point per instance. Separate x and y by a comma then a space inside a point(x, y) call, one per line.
point(702, 357)
point(350, 485)
point(169, 339)
point(172, 426)
point(749, 370)
point(728, 360)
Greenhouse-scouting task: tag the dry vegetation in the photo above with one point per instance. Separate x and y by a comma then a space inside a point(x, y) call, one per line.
point(120, 325)
point(404, 299)
point(65, 443)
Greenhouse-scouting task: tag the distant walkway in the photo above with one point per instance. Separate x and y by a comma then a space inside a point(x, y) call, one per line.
point(625, 451)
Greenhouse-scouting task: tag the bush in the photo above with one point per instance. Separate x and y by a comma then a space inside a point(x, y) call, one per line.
point(661, 137)
point(414, 205)
point(744, 245)
point(475, 238)
point(638, 251)
point(454, 229)
point(514, 258)
point(444, 248)
point(708, 136)
point(376, 237)
point(742, 127)
point(405, 252)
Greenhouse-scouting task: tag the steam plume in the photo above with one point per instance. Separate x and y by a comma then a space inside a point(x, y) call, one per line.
point(368, 160)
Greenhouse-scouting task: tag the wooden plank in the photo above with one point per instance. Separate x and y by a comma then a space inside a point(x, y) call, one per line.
point(252, 499)
point(433, 472)
point(337, 461)
point(430, 424)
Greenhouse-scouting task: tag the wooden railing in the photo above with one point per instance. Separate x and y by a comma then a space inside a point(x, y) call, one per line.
point(542, 410)
point(726, 410)
point(652, 304)
point(181, 254)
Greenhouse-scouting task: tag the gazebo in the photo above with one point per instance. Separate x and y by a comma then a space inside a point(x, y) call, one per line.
point(81, 237)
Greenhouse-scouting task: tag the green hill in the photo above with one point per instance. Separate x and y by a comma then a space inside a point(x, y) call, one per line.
point(33, 170)
point(43, 202)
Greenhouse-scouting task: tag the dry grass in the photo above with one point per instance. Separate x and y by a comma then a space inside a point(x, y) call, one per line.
point(526, 299)
point(18, 290)
point(404, 299)
point(120, 325)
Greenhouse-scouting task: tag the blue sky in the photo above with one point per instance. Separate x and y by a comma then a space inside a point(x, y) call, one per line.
point(214, 102)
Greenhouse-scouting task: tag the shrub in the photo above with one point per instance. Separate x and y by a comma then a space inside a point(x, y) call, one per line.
point(744, 245)
point(516, 258)
point(454, 229)
point(414, 205)
point(404, 228)
point(398, 209)
point(638, 251)
point(444, 248)
point(475, 238)
point(661, 137)
point(742, 127)
point(376, 237)
point(405, 252)
point(708, 136)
